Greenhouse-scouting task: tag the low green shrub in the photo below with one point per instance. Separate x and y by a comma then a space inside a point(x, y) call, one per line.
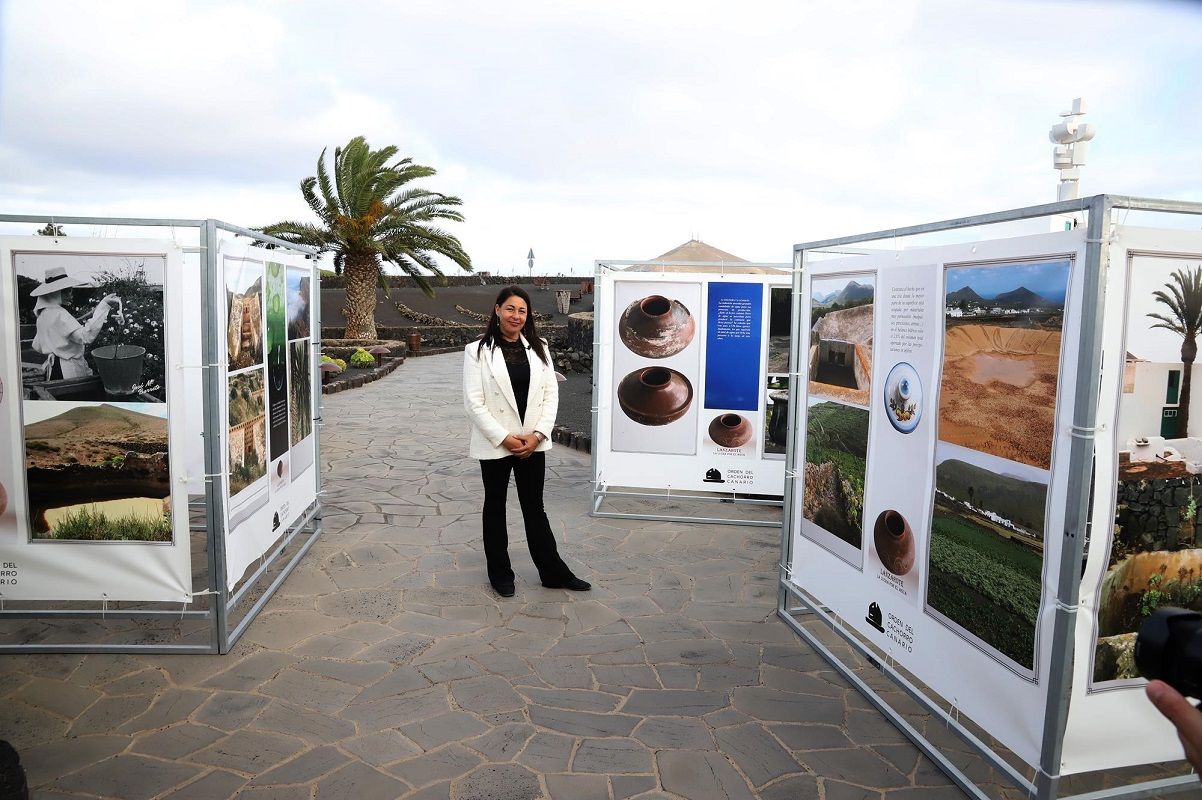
point(361, 359)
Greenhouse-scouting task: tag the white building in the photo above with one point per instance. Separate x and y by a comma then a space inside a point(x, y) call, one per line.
point(1151, 401)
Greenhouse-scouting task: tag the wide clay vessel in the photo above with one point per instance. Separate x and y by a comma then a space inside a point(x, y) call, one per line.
point(656, 327)
point(730, 430)
point(655, 395)
point(894, 542)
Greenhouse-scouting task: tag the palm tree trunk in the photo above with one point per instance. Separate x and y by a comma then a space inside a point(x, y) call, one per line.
point(362, 272)
point(1189, 351)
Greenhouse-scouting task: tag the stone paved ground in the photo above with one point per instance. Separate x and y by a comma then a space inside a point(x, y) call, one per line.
point(385, 667)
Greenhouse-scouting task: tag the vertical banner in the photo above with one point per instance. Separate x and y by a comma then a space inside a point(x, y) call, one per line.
point(938, 397)
point(270, 442)
point(1146, 547)
point(88, 507)
point(694, 379)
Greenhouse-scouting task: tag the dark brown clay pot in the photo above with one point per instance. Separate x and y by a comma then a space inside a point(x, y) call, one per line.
point(730, 430)
point(656, 327)
point(894, 542)
point(3, 498)
point(655, 395)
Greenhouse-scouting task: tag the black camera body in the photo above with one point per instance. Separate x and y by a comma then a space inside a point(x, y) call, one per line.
point(1168, 647)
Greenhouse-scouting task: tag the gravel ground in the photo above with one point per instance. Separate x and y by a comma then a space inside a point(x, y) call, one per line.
point(576, 402)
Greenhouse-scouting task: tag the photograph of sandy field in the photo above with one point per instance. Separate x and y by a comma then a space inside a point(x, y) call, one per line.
point(98, 471)
point(986, 550)
point(1001, 358)
point(835, 467)
point(841, 328)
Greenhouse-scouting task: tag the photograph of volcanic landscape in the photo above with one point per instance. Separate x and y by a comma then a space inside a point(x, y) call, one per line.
point(99, 472)
point(1001, 358)
point(986, 550)
point(841, 330)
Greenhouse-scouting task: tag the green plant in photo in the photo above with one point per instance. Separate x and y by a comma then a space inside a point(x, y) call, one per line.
point(361, 359)
point(88, 525)
point(1191, 509)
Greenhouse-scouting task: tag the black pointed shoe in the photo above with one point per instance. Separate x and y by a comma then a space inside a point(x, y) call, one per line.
point(504, 589)
point(571, 583)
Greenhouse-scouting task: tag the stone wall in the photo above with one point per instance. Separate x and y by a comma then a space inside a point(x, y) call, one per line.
point(1155, 515)
point(398, 281)
point(580, 331)
point(438, 336)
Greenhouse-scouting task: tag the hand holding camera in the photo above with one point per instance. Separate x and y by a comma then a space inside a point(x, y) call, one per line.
point(1168, 651)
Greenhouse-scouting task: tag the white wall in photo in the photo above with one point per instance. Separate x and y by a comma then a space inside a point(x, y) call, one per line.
point(709, 447)
point(1131, 401)
point(881, 590)
point(111, 426)
point(260, 511)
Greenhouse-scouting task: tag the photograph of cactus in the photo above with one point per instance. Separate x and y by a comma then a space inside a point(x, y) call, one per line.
point(1155, 546)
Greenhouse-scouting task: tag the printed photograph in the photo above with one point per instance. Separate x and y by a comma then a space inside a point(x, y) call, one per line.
point(1001, 358)
point(780, 316)
point(836, 462)
point(300, 386)
point(298, 303)
point(841, 330)
point(244, 299)
point(732, 434)
point(248, 430)
point(98, 472)
point(277, 359)
point(1155, 556)
point(985, 563)
point(92, 327)
point(776, 417)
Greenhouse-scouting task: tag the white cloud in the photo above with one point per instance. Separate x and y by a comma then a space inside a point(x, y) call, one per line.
point(588, 131)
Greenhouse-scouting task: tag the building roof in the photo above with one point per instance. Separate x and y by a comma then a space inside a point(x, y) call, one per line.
point(697, 256)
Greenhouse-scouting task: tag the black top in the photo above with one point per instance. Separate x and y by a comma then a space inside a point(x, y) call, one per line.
point(518, 365)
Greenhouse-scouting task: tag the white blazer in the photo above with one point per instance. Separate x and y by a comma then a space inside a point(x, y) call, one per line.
point(491, 406)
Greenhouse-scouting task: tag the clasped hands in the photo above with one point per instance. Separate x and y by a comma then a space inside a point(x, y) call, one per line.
point(521, 446)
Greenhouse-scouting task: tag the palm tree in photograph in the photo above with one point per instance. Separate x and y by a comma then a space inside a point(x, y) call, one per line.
point(1184, 318)
point(369, 213)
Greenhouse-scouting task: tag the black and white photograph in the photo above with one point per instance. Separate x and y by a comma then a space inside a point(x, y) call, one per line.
point(91, 326)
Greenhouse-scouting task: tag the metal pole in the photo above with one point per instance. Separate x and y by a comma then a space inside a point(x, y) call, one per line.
point(315, 324)
point(796, 314)
point(596, 412)
point(1076, 517)
point(213, 429)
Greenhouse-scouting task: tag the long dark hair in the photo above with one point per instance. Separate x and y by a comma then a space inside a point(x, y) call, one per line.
point(492, 334)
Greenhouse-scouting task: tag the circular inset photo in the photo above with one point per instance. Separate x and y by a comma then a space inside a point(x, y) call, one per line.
point(655, 395)
point(730, 430)
point(656, 327)
point(894, 542)
point(903, 397)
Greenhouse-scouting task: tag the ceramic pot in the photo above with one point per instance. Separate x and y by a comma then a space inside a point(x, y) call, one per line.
point(655, 395)
point(656, 327)
point(894, 542)
point(730, 430)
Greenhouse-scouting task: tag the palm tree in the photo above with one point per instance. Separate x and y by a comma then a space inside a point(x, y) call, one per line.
point(368, 213)
point(1184, 301)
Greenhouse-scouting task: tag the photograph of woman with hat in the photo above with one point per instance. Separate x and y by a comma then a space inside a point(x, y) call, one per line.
point(60, 336)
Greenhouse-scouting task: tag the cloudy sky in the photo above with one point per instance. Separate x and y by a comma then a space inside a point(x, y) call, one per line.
point(590, 130)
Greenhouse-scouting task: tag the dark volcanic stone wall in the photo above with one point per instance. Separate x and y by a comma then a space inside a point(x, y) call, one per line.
point(1155, 515)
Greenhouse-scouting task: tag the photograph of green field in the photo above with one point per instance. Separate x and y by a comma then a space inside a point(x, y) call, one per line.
point(986, 551)
point(836, 462)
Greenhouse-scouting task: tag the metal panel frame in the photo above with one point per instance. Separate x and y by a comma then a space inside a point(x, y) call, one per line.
point(603, 491)
point(1046, 784)
point(216, 595)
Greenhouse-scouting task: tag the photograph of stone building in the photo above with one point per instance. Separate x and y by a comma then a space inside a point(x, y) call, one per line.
point(247, 430)
point(244, 322)
point(841, 331)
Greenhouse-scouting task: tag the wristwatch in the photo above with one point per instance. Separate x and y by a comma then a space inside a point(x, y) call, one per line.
point(540, 436)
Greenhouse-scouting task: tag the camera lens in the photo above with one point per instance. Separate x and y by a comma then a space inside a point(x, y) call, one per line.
point(1168, 647)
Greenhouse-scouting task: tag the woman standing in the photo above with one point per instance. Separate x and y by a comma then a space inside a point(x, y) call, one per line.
point(511, 397)
point(61, 337)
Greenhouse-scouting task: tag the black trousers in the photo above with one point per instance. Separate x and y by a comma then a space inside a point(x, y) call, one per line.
point(528, 473)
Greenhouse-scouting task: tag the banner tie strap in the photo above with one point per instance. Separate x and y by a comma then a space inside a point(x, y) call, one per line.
point(1062, 606)
point(792, 474)
point(1086, 433)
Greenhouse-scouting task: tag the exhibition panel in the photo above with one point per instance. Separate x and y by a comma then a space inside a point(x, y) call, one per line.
point(992, 480)
point(91, 421)
point(691, 380)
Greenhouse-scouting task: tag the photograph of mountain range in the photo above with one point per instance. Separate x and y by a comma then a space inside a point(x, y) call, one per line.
point(98, 472)
point(841, 330)
point(1001, 358)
